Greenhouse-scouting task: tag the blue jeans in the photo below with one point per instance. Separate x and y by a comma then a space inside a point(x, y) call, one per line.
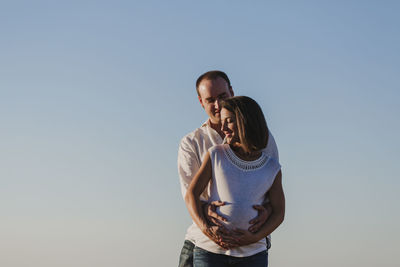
point(186, 257)
point(204, 258)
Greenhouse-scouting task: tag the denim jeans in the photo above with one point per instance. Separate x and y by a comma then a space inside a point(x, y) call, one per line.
point(186, 257)
point(204, 258)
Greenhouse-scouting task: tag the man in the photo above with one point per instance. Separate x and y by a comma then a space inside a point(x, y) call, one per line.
point(212, 87)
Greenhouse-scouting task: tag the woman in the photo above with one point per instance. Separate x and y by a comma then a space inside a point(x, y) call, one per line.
point(241, 174)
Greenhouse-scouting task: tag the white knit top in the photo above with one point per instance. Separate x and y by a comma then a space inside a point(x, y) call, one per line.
point(240, 184)
point(191, 152)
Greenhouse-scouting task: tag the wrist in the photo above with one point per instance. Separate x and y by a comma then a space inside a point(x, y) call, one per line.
point(258, 236)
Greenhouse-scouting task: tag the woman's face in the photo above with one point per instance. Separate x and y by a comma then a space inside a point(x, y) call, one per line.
point(229, 127)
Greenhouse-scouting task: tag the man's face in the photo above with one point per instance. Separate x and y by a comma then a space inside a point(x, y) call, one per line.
point(211, 93)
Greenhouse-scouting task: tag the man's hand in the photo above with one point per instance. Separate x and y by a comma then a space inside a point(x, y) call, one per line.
point(210, 212)
point(245, 237)
point(222, 236)
point(217, 232)
point(263, 214)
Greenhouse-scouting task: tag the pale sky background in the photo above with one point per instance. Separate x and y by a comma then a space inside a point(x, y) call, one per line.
point(96, 95)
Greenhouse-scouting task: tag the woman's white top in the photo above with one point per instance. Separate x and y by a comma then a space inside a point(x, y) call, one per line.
point(240, 184)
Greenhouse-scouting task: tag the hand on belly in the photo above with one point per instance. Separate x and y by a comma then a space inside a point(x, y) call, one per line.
point(237, 214)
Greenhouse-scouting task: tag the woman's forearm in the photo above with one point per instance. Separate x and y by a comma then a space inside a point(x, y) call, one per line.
point(274, 220)
point(193, 205)
point(277, 202)
point(196, 187)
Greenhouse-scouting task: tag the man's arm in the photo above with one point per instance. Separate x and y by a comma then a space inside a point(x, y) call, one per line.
point(188, 164)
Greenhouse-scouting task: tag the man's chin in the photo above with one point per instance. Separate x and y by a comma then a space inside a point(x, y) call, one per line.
point(215, 120)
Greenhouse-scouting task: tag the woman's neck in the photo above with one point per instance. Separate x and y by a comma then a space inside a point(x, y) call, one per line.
point(239, 151)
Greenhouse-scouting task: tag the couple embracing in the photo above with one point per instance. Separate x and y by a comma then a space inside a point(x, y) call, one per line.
point(230, 179)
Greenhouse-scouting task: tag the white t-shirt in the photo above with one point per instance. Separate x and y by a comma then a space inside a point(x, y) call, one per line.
point(191, 152)
point(240, 184)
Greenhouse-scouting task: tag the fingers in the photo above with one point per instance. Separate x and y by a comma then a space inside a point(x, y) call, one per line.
point(225, 242)
point(217, 203)
point(216, 216)
point(229, 245)
point(227, 236)
point(259, 219)
point(238, 231)
point(222, 230)
point(259, 208)
point(262, 214)
point(211, 211)
point(262, 217)
point(255, 220)
point(227, 239)
point(230, 241)
point(255, 227)
point(215, 221)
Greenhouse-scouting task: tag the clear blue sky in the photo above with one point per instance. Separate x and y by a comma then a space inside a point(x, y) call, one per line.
point(96, 95)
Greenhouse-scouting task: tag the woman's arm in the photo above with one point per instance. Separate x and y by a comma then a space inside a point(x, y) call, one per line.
point(196, 187)
point(217, 233)
point(277, 201)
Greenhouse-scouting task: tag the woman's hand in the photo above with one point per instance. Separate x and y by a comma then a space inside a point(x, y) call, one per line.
point(262, 217)
point(210, 212)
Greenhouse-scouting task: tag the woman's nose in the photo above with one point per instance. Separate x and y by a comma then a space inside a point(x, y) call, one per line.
point(223, 126)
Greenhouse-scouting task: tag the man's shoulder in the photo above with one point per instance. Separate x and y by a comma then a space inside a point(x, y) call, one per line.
point(195, 136)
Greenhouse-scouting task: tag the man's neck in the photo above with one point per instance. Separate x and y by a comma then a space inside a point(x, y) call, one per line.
point(217, 128)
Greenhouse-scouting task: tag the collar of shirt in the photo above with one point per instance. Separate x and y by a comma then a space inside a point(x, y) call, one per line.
point(208, 125)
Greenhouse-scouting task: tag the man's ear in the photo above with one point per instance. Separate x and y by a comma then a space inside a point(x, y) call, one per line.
point(201, 101)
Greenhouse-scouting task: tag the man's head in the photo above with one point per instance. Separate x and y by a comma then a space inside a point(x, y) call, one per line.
point(212, 87)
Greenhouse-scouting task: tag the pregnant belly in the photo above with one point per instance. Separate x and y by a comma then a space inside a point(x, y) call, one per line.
point(238, 215)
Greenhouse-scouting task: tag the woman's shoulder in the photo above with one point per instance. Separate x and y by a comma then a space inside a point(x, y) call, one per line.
point(273, 164)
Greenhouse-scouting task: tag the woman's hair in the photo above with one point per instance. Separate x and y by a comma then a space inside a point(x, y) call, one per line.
point(252, 127)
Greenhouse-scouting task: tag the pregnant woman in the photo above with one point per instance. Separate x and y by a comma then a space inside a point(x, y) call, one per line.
point(241, 175)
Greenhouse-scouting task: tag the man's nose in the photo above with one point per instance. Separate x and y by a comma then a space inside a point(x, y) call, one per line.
point(217, 103)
